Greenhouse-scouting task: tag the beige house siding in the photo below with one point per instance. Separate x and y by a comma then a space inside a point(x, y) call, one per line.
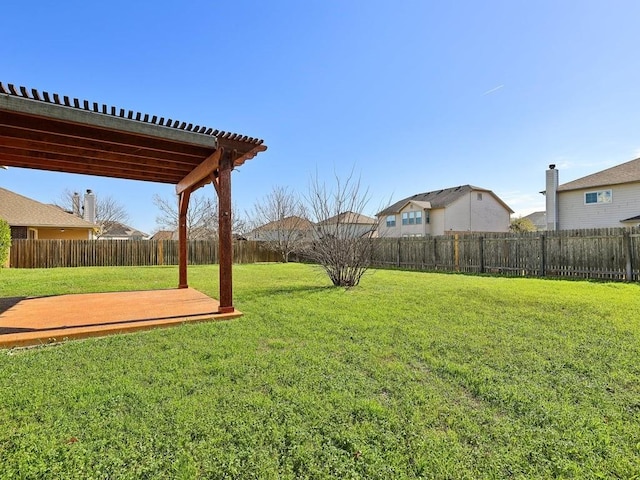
point(457, 216)
point(487, 214)
point(437, 219)
point(574, 213)
point(62, 234)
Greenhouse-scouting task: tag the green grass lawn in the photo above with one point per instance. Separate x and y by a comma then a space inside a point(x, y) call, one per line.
point(409, 375)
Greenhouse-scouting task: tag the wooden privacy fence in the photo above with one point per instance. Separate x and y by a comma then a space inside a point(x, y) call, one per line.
point(100, 253)
point(612, 254)
point(609, 253)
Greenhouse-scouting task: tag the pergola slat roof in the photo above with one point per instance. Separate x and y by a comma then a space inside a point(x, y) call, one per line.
point(53, 132)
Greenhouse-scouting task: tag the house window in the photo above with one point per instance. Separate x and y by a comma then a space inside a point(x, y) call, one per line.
point(391, 221)
point(412, 218)
point(601, 196)
point(479, 196)
point(427, 217)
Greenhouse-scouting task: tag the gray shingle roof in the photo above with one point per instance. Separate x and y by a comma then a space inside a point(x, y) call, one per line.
point(117, 229)
point(21, 211)
point(628, 172)
point(165, 235)
point(288, 223)
point(349, 217)
point(439, 198)
point(539, 219)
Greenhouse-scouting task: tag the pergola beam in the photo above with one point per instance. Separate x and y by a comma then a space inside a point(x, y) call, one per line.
point(59, 141)
point(201, 172)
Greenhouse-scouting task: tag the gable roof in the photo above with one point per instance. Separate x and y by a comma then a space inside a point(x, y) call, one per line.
point(287, 223)
point(539, 219)
point(627, 172)
point(349, 217)
point(117, 229)
point(632, 219)
point(439, 198)
point(20, 211)
point(165, 235)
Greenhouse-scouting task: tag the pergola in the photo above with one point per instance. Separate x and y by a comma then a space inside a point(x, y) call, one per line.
point(51, 132)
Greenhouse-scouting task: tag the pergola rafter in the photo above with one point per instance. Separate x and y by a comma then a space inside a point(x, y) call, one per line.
point(51, 132)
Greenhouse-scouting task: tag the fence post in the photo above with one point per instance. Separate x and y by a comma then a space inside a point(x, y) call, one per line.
point(398, 255)
point(456, 252)
point(543, 255)
point(435, 254)
point(160, 252)
point(481, 253)
point(626, 247)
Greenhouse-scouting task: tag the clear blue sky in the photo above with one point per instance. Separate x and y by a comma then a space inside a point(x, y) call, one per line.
point(413, 95)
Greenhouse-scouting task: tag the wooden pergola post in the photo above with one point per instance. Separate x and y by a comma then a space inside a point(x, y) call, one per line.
point(225, 238)
point(183, 206)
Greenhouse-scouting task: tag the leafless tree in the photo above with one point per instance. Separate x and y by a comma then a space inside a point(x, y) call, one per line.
point(202, 215)
point(280, 221)
point(343, 245)
point(108, 209)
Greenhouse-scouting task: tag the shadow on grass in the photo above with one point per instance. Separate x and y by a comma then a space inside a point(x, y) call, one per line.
point(279, 290)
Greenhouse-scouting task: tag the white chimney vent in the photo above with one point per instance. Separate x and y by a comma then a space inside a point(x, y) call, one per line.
point(551, 194)
point(90, 207)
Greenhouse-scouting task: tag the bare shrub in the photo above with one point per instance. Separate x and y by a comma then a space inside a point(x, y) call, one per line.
point(343, 241)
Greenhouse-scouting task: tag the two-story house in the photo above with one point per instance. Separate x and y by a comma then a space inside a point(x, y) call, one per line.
point(451, 210)
point(609, 198)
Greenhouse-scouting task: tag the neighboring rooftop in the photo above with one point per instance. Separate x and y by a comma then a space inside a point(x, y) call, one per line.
point(21, 211)
point(539, 219)
point(120, 230)
point(628, 172)
point(438, 198)
point(351, 218)
point(632, 219)
point(165, 235)
point(287, 223)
